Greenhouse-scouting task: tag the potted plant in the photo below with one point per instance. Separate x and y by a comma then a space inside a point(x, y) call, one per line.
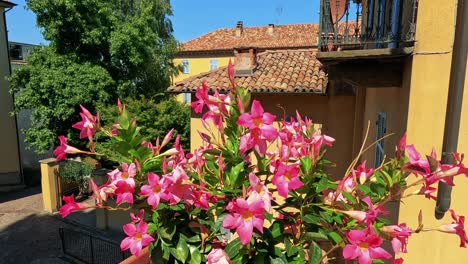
point(255, 192)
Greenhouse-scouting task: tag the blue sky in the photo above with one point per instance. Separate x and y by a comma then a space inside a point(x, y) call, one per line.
point(192, 18)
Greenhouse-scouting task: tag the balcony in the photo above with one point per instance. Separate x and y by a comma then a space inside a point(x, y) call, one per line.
point(363, 29)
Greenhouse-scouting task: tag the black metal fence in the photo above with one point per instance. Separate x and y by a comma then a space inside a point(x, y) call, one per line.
point(366, 24)
point(89, 248)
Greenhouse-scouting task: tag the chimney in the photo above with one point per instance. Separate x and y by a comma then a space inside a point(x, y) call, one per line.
point(239, 28)
point(245, 62)
point(271, 28)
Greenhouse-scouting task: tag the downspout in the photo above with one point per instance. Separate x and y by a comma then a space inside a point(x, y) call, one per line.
point(395, 18)
point(454, 103)
point(20, 161)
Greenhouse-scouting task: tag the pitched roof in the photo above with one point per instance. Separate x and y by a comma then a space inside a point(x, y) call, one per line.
point(281, 71)
point(283, 36)
point(5, 3)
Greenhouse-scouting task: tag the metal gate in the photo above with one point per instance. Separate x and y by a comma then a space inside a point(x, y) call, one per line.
point(89, 248)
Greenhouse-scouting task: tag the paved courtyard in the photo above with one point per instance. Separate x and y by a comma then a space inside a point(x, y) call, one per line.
point(30, 235)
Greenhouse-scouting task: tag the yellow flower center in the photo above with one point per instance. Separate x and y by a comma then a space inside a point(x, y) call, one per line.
point(156, 188)
point(363, 245)
point(138, 236)
point(124, 175)
point(247, 215)
point(259, 189)
point(287, 176)
point(257, 121)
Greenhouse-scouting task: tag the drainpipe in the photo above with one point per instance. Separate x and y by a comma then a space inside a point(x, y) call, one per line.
point(395, 18)
point(454, 103)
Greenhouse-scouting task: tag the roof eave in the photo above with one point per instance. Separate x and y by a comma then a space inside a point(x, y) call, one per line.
point(7, 4)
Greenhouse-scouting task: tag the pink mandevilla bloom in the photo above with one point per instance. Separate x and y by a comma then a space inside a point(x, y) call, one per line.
point(155, 190)
point(258, 191)
point(368, 216)
point(456, 227)
point(124, 192)
point(243, 217)
point(365, 246)
point(286, 178)
point(137, 237)
point(400, 234)
point(87, 125)
point(261, 129)
point(138, 217)
point(218, 256)
point(127, 174)
point(71, 206)
point(63, 149)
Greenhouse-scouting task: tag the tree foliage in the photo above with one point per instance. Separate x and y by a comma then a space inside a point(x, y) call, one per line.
point(98, 51)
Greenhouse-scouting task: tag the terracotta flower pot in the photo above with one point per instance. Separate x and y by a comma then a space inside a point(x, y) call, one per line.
point(143, 258)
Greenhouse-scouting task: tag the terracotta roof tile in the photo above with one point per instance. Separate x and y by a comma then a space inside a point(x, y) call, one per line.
point(272, 75)
point(283, 36)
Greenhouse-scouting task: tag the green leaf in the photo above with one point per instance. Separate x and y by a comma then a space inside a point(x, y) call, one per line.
point(364, 188)
point(308, 236)
point(181, 251)
point(388, 177)
point(311, 219)
point(152, 228)
point(277, 261)
point(290, 248)
point(315, 253)
point(233, 248)
point(167, 231)
point(322, 184)
point(349, 197)
point(195, 255)
point(276, 230)
point(335, 237)
point(306, 165)
point(233, 176)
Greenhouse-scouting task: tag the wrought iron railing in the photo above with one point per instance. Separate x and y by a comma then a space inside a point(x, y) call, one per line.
point(90, 249)
point(366, 24)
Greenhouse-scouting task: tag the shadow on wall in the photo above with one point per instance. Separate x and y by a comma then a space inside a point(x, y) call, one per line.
point(29, 158)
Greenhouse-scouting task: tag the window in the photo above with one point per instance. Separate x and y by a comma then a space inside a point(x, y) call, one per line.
point(185, 65)
point(381, 129)
point(213, 64)
point(186, 98)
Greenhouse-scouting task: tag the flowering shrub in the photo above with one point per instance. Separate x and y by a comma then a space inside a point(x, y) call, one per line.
point(256, 191)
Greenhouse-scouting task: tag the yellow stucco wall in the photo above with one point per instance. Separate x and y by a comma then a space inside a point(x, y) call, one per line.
point(199, 65)
point(426, 116)
point(196, 66)
point(335, 113)
point(9, 157)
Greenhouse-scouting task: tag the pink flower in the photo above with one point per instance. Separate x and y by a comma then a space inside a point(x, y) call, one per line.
point(71, 206)
point(260, 125)
point(137, 237)
point(124, 192)
point(397, 261)
point(178, 189)
point(155, 190)
point(87, 125)
point(258, 191)
point(218, 256)
point(63, 149)
point(127, 174)
point(365, 246)
point(457, 227)
point(286, 178)
point(243, 217)
point(400, 148)
point(400, 234)
point(368, 216)
point(138, 217)
point(202, 95)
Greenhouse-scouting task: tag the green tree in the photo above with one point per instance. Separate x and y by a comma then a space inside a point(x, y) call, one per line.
point(98, 51)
